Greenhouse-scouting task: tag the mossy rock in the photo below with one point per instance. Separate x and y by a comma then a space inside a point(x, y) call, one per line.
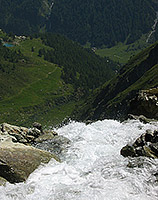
point(2, 181)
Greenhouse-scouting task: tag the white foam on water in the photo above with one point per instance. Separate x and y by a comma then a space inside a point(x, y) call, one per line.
point(93, 168)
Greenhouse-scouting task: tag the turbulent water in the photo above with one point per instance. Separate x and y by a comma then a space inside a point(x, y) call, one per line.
point(92, 168)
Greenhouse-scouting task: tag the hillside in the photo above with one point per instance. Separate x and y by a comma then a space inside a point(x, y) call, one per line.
point(112, 100)
point(34, 88)
point(24, 17)
point(102, 22)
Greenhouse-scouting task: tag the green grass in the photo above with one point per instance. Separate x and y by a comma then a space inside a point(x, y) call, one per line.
point(148, 80)
point(31, 92)
point(112, 100)
point(122, 52)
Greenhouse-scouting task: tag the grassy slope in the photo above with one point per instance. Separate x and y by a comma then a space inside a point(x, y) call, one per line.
point(112, 99)
point(122, 52)
point(34, 91)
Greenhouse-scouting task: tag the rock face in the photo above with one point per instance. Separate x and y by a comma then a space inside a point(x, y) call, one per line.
point(145, 145)
point(18, 157)
point(145, 103)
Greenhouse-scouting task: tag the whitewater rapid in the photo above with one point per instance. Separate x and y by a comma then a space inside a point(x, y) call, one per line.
point(92, 168)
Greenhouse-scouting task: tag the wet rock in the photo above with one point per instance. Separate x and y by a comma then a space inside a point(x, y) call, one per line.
point(38, 126)
point(22, 150)
point(149, 136)
point(21, 134)
point(145, 145)
point(54, 144)
point(47, 135)
point(154, 148)
point(139, 151)
point(140, 141)
point(3, 181)
point(141, 118)
point(128, 150)
point(130, 116)
point(18, 161)
point(18, 134)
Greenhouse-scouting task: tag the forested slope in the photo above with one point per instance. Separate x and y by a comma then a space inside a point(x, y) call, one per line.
point(23, 17)
point(80, 67)
point(101, 22)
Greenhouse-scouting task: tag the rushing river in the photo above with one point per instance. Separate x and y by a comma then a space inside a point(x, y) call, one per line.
point(92, 167)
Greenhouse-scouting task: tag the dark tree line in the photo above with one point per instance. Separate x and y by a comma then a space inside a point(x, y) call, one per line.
point(8, 59)
point(22, 17)
point(101, 22)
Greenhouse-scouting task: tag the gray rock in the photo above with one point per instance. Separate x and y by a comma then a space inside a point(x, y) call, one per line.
point(22, 150)
point(55, 144)
point(145, 145)
point(18, 134)
point(18, 161)
point(37, 125)
point(34, 132)
point(47, 135)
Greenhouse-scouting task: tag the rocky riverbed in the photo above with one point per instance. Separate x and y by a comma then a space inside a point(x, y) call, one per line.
point(21, 150)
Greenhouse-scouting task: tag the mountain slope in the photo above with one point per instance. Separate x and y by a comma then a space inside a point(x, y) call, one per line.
point(32, 88)
point(24, 17)
point(112, 99)
point(80, 67)
point(102, 22)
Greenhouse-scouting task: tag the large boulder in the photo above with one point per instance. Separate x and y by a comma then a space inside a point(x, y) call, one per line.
point(22, 150)
point(145, 145)
point(18, 161)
